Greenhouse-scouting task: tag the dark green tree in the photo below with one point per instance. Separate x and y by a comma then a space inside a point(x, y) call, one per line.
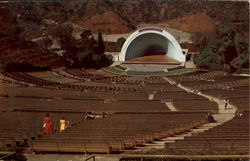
point(63, 32)
point(229, 52)
point(121, 41)
point(87, 52)
point(100, 49)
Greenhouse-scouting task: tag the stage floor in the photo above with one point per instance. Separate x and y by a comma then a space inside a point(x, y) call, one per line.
point(152, 63)
point(149, 67)
point(153, 58)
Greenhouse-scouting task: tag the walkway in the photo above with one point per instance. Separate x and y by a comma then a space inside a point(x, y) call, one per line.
point(171, 106)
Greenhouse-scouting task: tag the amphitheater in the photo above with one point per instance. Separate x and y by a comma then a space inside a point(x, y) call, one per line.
point(146, 114)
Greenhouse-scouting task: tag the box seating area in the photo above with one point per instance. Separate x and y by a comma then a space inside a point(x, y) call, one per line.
point(118, 132)
point(229, 138)
point(17, 128)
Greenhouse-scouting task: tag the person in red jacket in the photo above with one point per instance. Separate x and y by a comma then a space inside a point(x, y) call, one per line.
point(48, 125)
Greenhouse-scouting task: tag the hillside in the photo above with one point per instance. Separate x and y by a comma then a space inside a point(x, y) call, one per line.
point(26, 21)
point(108, 22)
point(194, 22)
point(17, 51)
point(124, 16)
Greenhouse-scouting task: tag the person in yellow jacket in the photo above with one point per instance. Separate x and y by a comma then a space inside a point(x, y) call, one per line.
point(62, 124)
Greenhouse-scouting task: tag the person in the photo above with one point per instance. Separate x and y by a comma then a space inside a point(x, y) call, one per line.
point(238, 113)
point(62, 124)
point(226, 102)
point(48, 125)
point(67, 125)
point(210, 118)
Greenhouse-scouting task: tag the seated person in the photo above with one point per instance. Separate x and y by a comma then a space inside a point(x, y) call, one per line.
point(210, 118)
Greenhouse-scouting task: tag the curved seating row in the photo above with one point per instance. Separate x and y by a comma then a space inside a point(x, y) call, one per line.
point(231, 137)
point(17, 128)
point(118, 132)
point(26, 78)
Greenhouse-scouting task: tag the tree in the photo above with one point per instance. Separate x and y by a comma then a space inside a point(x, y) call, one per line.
point(86, 34)
point(61, 31)
point(100, 49)
point(121, 41)
point(29, 11)
point(209, 59)
point(230, 51)
point(87, 52)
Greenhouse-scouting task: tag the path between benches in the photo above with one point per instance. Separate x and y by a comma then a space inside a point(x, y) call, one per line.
point(171, 106)
point(221, 117)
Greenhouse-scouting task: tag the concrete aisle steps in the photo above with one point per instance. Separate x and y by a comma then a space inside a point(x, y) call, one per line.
point(172, 139)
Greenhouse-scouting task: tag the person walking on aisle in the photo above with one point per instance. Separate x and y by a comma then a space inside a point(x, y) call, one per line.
point(226, 103)
point(48, 125)
point(62, 124)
